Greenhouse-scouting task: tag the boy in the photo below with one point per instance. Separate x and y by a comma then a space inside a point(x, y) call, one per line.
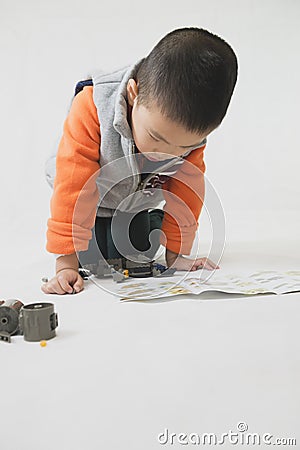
point(131, 136)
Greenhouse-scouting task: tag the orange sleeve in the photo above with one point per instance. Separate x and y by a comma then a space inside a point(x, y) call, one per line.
point(184, 197)
point(77, 167)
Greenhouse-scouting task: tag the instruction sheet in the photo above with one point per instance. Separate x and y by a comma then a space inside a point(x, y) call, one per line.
point(260, 282)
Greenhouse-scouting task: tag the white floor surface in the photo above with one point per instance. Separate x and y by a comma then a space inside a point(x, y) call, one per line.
point(119, 374)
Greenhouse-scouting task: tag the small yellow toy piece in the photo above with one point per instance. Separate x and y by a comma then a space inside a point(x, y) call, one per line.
point(43, 343)
point(126, 273)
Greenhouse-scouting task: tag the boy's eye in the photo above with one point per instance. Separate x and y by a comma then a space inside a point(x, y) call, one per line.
point(157, 140)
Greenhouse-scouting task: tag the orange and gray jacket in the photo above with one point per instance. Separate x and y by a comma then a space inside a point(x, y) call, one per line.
point(97, 169)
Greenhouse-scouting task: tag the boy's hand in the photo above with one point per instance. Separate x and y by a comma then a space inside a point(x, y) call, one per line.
point(66, 281)
point(182, 263)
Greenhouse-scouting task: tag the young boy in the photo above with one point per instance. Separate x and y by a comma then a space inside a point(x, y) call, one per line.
point(130, 134)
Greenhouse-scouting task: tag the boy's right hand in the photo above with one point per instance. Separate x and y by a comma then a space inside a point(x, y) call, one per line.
point(66, 281)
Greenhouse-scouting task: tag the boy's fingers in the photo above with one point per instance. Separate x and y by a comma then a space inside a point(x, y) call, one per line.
point(209, 266)
point(53, 287)
point(49, 288)
point(78, 288)
point(215, 266)
point(64, 284)
point(198, 264)
point(205, 263)
point(43, 289)
point(61, 285)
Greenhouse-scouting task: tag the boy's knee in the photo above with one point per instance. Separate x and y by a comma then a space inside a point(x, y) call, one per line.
point(156, 218)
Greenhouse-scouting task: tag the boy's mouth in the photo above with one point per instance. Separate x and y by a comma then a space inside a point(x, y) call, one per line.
point(152, 159)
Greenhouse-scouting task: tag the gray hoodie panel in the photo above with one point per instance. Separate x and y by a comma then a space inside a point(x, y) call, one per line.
point(119, 174)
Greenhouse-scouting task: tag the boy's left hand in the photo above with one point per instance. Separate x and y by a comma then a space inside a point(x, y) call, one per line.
point(182, 263)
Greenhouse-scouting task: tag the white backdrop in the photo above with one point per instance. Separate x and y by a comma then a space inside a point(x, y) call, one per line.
point(120, 373)
point(252, 159)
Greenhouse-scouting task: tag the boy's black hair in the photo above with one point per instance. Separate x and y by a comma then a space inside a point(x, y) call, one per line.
point(189, 75)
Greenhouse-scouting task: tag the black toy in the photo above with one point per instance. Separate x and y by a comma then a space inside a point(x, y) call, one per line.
point(122, 268)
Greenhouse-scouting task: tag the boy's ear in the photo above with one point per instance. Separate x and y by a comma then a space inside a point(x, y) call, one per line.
point(132, 91)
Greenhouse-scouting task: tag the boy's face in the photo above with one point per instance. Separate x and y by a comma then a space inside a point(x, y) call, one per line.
point(156, 136)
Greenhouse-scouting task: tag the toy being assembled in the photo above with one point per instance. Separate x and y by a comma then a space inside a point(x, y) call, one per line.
point(122, 268)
